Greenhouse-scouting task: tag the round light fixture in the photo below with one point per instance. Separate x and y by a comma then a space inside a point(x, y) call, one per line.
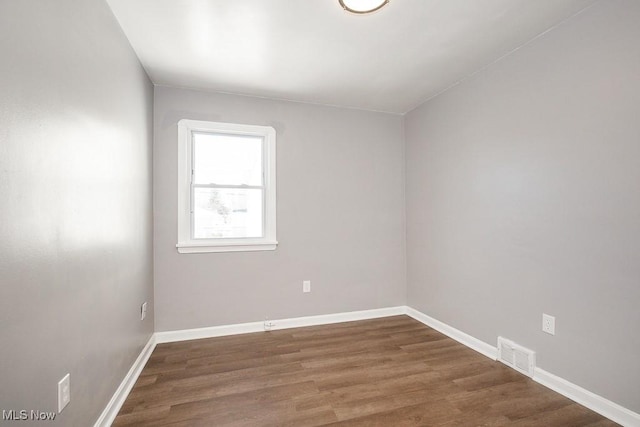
point(362, 6)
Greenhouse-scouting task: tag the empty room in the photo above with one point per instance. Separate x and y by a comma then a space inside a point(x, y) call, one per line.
point(320, 212)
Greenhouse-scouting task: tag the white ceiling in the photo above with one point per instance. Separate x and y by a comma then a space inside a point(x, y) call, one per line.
point(313, 51)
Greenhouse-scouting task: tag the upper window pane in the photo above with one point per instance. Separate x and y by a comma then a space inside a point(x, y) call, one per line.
point(225, 159)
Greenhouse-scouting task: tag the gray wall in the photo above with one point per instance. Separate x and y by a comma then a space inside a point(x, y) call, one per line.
point(75, 218)
point(523, 197)
point(340, 216)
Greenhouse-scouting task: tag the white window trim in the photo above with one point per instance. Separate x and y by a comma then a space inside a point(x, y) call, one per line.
point(186, 244)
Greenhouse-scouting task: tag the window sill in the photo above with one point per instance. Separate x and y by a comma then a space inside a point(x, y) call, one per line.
point(249, 246)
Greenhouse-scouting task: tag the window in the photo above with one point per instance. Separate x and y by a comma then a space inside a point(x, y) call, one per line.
point(226, 187)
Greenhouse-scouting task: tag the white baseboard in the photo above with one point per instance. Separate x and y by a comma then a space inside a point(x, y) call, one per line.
point(326, 319)
point(209, 332)
point(117, 400)
point(298, 322)
point(473, 343)
point(596, 403)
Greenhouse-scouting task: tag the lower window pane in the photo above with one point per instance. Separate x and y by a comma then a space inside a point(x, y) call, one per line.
point(227, 213)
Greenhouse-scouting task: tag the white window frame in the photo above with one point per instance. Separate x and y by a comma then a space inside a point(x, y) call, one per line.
point(186, 242)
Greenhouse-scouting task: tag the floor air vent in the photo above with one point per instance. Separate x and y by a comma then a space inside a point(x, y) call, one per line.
point(519, 358)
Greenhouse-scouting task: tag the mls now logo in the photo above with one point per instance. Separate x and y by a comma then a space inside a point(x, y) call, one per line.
point(24, 415)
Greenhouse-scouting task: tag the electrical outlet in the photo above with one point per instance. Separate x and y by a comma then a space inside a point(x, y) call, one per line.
point(64, 392)
point(548, 324)
point(143, 310)
point(306, 286)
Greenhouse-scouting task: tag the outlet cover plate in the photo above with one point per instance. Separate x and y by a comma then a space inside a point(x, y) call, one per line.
point(548, 324)
point(143, 310)
point(64, 392)
point(306, 286)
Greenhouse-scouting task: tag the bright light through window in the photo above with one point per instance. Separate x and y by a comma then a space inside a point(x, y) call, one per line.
point(227, 159)
point(227, 187)
point(227, 213)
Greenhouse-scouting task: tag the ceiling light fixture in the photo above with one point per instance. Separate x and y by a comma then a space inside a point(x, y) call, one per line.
point(362, 6)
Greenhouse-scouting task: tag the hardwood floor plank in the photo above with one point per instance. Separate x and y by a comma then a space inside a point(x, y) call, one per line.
point(436, 413)
point(379, 372)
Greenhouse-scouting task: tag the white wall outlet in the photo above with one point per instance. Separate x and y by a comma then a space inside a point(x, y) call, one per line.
point(143, 310)
point(64, 392)
point(548, 324)
point(306, 286)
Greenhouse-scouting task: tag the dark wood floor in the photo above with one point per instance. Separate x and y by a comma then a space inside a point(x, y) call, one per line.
point(383, 372)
